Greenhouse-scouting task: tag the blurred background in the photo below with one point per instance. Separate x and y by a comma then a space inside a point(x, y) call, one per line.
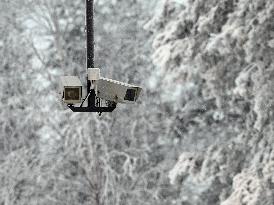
point(200, 133)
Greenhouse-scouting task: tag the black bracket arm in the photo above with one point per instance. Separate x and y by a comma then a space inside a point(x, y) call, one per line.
point(92, 109)
point(92, 105)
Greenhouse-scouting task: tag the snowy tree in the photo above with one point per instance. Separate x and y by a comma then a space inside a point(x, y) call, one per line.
point(215, 56)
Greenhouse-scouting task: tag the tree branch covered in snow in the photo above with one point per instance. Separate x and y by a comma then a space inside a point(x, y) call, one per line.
point(219, 52)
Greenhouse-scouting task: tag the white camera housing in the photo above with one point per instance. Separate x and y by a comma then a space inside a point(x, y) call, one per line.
point(71, 89)
point(117, 91)
point(94, 74)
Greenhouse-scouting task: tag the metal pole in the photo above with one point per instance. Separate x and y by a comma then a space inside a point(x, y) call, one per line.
point(90, 33)
point(90, 45)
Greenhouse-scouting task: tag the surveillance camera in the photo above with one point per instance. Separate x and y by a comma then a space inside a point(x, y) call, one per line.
point(116, 91)
point(98, 88)
point(71, 89)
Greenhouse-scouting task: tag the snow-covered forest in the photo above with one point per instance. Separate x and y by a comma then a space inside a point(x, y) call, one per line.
point(201, 132)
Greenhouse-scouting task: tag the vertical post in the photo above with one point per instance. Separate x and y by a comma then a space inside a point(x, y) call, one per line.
point(90, 46)
point(90, 33)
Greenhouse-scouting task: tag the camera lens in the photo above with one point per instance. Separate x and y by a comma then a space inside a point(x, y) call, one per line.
point(72, 94)
point(130, 95)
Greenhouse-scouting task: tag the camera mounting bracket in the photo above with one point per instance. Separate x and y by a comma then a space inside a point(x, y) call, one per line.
point(92, 105)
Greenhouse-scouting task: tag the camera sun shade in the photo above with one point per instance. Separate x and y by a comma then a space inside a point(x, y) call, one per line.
point(116, 91)
point(71, 89)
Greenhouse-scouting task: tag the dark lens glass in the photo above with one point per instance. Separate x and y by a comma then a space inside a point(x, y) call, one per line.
point(130, 95)
point(72, 94)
